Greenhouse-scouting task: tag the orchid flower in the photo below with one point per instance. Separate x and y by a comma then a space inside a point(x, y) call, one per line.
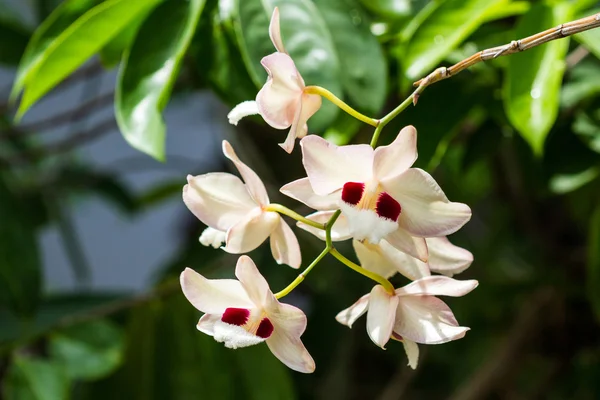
point(244, 312)
point(235, 212)
point(412, 314)
point(282, 101)
point(377, 191)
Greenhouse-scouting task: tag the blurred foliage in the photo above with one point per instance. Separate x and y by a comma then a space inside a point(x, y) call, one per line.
point(517, 138)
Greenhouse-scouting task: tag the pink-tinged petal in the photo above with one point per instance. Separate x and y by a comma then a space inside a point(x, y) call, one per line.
point(291, 351)
point(392, 160)
point(427, 320)
point(372, 259)
point(426, 211)
point(384, 259)
point(219, 200)
point(446, 258)
point(412, 352)
point(309, 105)
point(213, 296)
point(285, 317)
point(339, 231)
point(302, 191)
point(351, 314)
point(284, 245)
point(275, 31)
point(411, 245)
point(381, 315)
point(281, 96)
point(253, 282)
point(242, 110)
point(251, 231)
point(207, 323)
point(437, 285)
point(329, 166)
point(255, 186)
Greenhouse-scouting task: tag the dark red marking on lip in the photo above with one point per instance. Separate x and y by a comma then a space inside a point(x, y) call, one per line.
point(265, 328)
point(352, 192)
point(387, 207)
point(235, 316)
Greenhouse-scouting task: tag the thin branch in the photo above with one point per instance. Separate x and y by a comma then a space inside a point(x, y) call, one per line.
point(516, 46)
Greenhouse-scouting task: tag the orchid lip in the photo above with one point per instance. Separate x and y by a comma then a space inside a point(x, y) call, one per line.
point(261, 327)
point(385, 206)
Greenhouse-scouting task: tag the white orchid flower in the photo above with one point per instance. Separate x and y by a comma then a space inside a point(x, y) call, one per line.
point(379, 194)
point(411, 314)
point(282, 101)
point(235, 211)
point(244, 312)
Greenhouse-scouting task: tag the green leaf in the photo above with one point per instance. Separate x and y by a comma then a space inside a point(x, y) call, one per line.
point(566, 183)
point(590, 39)
point(149, 71)
point(533, 78)
point(112, 52)
point(20, 273)
point(45, 34)
point(35, 379)
point(584, 83)
point(593, 262)
point(82, 39)
point(587, 127)
point(306, 38)
point(447, 26)
point(14, 42)
point(389, 8)
point(365, 72)
point(88, 351)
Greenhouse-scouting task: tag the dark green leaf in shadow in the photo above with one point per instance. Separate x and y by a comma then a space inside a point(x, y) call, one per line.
point(593, 262)
point(534, 78)
point(20, 275)
point(566, 183)
point(149, 71)
point(82, 39)
point(587, 127)
point(14, 42)
point(307, 39)
point(35, 379)
point(591, 38)
point(365, 72)
point(112, 53)
point(583, 84)
point(88, 351)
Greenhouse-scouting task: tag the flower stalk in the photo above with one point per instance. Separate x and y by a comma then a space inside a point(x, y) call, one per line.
point(278, 208)
point(338, 102)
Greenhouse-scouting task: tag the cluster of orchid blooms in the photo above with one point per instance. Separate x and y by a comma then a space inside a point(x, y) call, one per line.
point(397, 218)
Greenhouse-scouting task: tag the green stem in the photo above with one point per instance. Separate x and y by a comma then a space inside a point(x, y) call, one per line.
point(278, 208)
point(394, 113)
point(328, 226)
point(301, 277)
point(338, 102)
point(377, 278)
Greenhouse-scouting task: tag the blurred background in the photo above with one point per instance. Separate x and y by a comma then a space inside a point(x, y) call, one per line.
point(106, 106)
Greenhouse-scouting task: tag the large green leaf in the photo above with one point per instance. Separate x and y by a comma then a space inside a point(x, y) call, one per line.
point(307, 39)
point(365, 72)
point(14, 42)
point(19, 258)
point(444, 29)
point(113, 51)
point(389, 8)
point(533, 78)
point(593, 273)
point(82, 39)
point(149, 71)
point(591, 38)
point(45, 34)
point(89, 350)
point(35, 379)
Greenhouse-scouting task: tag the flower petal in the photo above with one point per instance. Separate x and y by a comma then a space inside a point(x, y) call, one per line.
point(426, 211)
point(392, 160)
point(427, 320)
point(372, 259)
point(251, 231)
point(233, 336)
point(446, 258)
point(384, 259)
point(412, 352)
point(351, 314)
point(309, 105)
point(411, 245)
point(302, 191)
point(244, 109)
point(291, 351)
point(339, 231)
point(207, 323)
point(381, 315)
point(329, 166)
point(284, 245)
point(213, 296)
point(253, 282)
point(281, 95)
point(437, 285)
point(218, 199)
point(275, 31)
point(255, 186)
